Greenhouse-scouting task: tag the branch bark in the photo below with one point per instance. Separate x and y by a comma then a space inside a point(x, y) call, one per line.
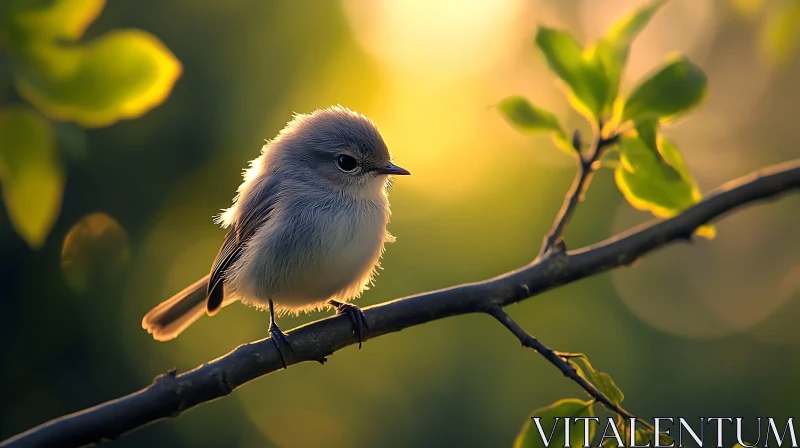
point(586, 168)
point(170, 394)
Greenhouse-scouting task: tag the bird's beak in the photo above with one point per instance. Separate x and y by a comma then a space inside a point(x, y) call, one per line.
point(391, 168)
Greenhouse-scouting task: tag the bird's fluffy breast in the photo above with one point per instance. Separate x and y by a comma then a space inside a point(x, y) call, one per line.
point(314, 247)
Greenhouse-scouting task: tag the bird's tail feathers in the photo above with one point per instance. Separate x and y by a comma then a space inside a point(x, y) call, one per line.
point(171, 317)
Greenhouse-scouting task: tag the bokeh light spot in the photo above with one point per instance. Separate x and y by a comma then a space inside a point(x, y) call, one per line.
point(714, 289)
point(96, 250)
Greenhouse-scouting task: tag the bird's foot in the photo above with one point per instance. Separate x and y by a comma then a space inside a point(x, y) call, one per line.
point(281, 342)
point(357, 318)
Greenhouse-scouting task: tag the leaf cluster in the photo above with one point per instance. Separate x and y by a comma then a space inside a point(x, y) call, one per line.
point(651, 173)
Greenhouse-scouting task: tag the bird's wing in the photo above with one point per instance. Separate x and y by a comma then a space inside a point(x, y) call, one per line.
point(256, 214)
point(228, 254)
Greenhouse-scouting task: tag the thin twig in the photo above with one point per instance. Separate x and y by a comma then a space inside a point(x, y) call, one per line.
point(587, 164)
point(170, 394)
point(557, 359)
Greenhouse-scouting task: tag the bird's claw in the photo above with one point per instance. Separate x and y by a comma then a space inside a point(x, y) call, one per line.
point(357, 318)
point(280, 340)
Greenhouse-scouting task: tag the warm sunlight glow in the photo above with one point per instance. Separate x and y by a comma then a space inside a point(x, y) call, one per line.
point(440, 64)
point(449, 39)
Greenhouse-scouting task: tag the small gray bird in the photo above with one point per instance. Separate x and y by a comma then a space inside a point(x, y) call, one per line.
point(307, 227)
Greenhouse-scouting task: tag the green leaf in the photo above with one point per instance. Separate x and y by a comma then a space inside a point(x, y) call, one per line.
point(527, 117)
point(562, 52)
point(626, 28)
point(647, 128)
point(601, 380)
point(24, 21)
point(645, 185)
point(606, 385)
point(675, 88)
point(530, 437)
point(30, 173)
point(582, 74)
point(612, 50)
point(120, 75)
point(563, 143)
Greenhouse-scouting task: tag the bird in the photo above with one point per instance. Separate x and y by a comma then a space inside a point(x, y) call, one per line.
point(306, 229)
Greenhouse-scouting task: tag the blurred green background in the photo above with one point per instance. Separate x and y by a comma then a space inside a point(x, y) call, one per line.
point(707, 329)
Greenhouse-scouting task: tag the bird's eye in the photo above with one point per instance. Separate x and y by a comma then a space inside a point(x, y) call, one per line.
point(346, 163)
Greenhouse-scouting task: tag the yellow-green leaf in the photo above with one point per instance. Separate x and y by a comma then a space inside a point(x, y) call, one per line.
point(607, 386)
point(626, 28)
point(563, 143)
point(675, 88)
point(120, 75)
point(613, 48)
point(647, 128)
point(645, 185)
point(24, 21)
point(527, 117)
point(601, 380)
point(30, 173)
point(582, 74)
point(531, 437)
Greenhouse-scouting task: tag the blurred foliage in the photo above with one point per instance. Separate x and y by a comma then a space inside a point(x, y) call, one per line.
point(782, 31)
point(122, 74)
point(747, 7)
point(678, 331)
point(30, 172)
point(780, 25)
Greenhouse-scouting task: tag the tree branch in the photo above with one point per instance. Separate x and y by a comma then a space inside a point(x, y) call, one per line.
point(170, 394)
point(557, 359)
point(587, 164)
